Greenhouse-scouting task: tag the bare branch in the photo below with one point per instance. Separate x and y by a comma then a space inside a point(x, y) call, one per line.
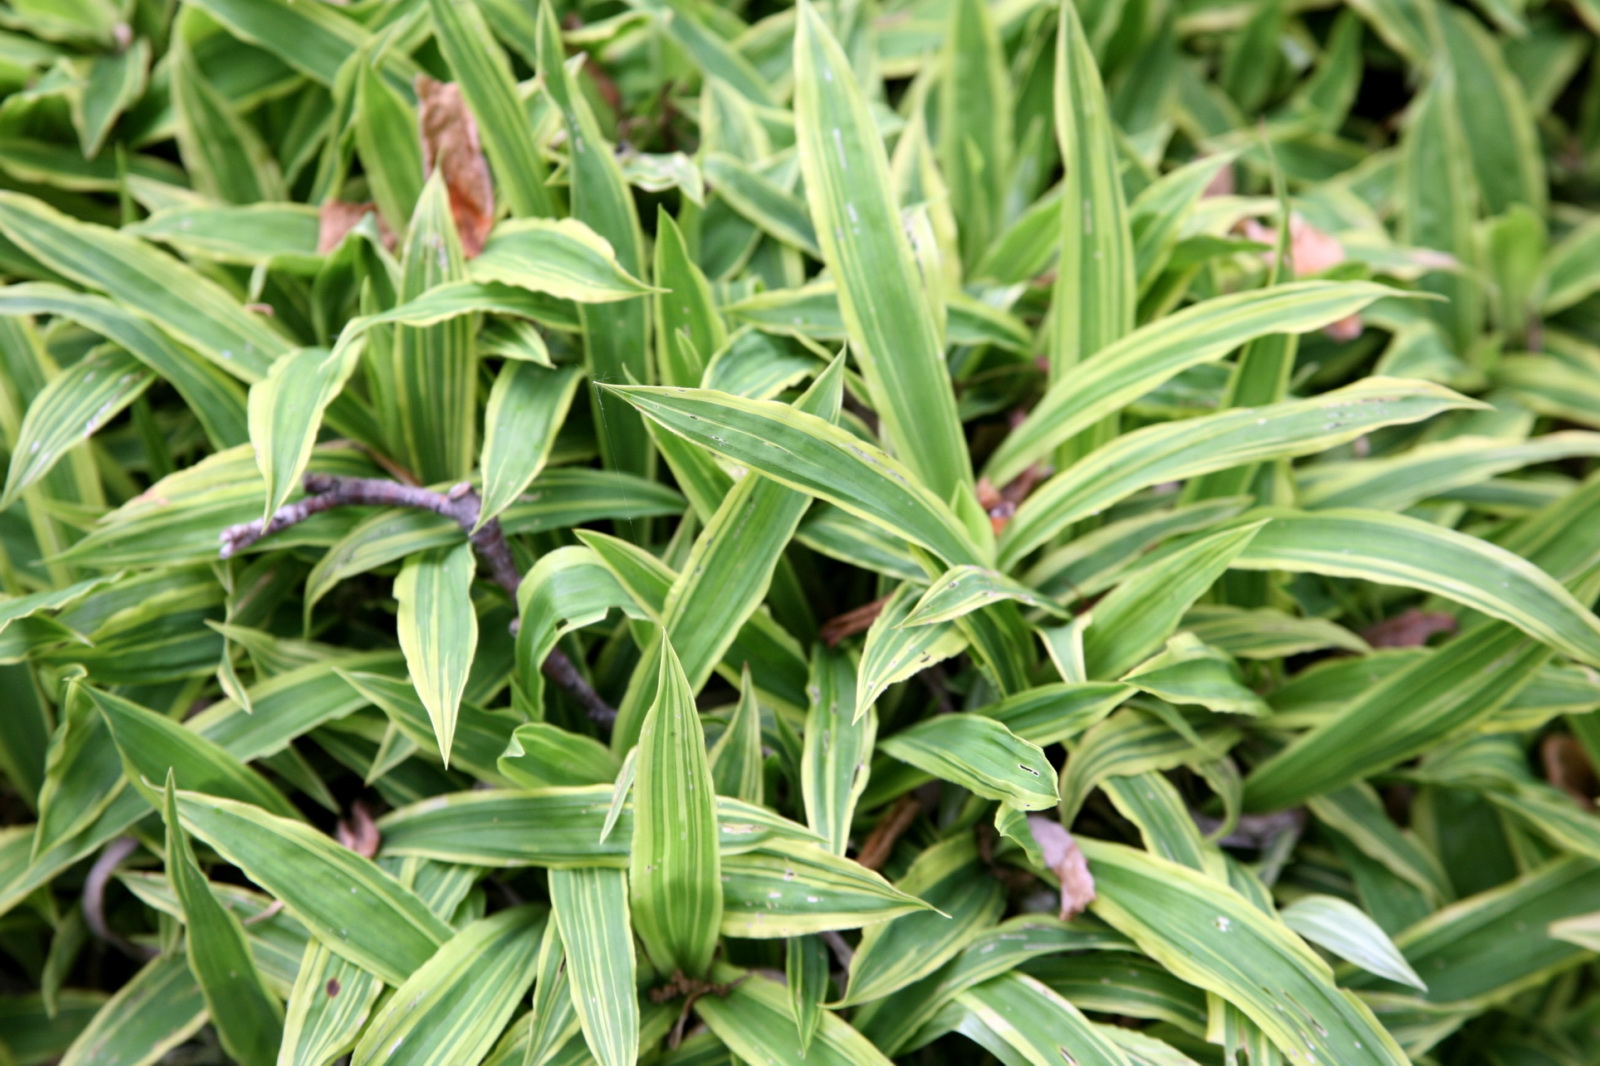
point(324, 492)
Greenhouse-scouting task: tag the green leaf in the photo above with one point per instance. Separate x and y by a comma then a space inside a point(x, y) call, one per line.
point(154, 1011)
point(591, 910)
point(438, 631)
point(561, 257)
point(787, 888)
point(836, 759)
point(894, 651)
point(809, 454)
point(390, 146)
point(1345, 930)
point(69, 410)
point(1139, 615)
point(674, 876)
point(455, 1005)
point(1210, 936)
point(806, 973)
point(527, 406)
point(736, 760)
point(153, 747)
point(891, 955)
point(754, 1021)
point(286, 411)
point(886, 306)
point(1018, 1019)
point(541, 755)
point(1174, 451)
point(964, 589)
point(1096, 288)
point(979, 754)
point(1155, 353)
point(248, 1018)
point(616, 340)
point(689, 329)
point(1399, 550)
point(327, 1008)
point(225, 156)
point(352, 906)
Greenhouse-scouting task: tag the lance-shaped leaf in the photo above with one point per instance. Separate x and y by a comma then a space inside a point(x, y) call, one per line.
point(454, 1006)
point(806, 972)
point(675, 875)
point(157, 1009)
point(981, 755)
point(248, 1018)
point(154, 746)
point(1209, 935)
point(1347, 931)
point(894, 651)
point(1138, 615)
point(438, 630)
point(949, 877)
point(736, 760)
point(184, 303)
point(729, 568)
point(812, 455)
point(1155, 353)
point(1095, 290)
point(211, 393)
point(542, 755)
point(526, 408)
point(616, 339)
point(837, 756)
point(753, 1020)
point(1020, 1019)
point(885, 303)
point(562, 257)
point(1395, 549)
point(689, 328)
point(1173, 451)
point(69, 410)
point(787, 887)
point(286, 411)
point(591, 910)
point(359, 911)
point(963, 589)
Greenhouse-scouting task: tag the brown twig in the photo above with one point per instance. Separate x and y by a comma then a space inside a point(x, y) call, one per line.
point(324, 492)
point(94, 897)
point(880, 842)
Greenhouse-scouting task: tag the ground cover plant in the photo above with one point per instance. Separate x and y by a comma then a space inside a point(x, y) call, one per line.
point(921, 530)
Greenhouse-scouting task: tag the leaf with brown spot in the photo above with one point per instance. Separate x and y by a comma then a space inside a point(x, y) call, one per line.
point(1062, 856)
point(450, 144)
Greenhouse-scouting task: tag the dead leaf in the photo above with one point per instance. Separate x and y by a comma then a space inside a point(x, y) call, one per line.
point(337, 218)
point(1409, 629)
point(1311, 251)
point(1566, 766)
point(450, 144)
point(1061, 854)
point(359, 832)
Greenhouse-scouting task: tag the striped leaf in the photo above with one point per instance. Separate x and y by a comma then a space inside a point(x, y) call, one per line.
point(438, 630)
point(674, 876)
point(886, 306)
point(590, 906)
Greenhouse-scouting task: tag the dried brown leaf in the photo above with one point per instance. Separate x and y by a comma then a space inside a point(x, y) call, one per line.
point(1409, 629)
point(450, 144)
point(337, 218)
point(359, 832)
point(1567, 766)
point(1061, 854)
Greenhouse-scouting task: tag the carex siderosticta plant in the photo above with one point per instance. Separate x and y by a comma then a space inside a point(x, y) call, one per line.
point(679, 532)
